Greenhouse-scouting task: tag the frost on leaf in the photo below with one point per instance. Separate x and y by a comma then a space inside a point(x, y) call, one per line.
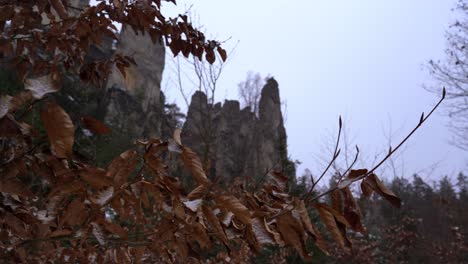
point(40, 86)
point(98, 234)
point(103, 196)
point(4, 105)
point(261, 234)
point(193, 205)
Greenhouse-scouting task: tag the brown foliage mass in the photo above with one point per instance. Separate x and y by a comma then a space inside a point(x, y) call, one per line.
point(55, 207)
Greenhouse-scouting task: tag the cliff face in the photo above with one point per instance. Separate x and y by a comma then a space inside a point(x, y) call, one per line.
point(131, 105)
point(232, 142)
point(136, 97)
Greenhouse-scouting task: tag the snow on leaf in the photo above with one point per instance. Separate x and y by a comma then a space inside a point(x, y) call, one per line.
point(40, 86)
point(227, 218)
point(98, 234)
point(344, 183)
point(233, 204)
point(261, 234)
point(173, 146)
point(193, 205)
point(4, 105)
point(103, 196)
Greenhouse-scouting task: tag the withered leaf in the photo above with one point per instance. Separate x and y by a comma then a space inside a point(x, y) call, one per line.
point(75, 214)
point(191, 161)
point(95, 126)
point(95, 177)
point(319, 241)
point(17, 226)
point(122, 167)
point(198, 192)
point(60, 233)
point(59, 128)
point(60, 8)
point(327, 215)
point(377, 185)
point(233, 204)
point(353, 174)
point(351, 211)
point(292, 234)
point(15, 186)
point(366, 189)
point(213, 220)
point(199, 234)
point(114, 228)
point(222, 53)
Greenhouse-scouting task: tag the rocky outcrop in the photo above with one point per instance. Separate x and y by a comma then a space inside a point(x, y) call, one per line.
point(232, 142)
point(133, 101)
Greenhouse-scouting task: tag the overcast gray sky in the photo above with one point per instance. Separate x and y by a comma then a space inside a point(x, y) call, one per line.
point(362, 59)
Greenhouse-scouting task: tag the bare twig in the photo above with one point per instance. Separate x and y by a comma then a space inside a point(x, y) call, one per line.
point(390, 152)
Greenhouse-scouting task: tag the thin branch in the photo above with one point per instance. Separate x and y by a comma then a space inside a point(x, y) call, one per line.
point(391, 151)
point(336, 153)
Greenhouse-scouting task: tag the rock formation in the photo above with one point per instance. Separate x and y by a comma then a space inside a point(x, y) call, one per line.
point(232, 142)
point(136, 97)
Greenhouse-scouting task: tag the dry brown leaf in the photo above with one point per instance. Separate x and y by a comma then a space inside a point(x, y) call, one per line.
point(292, 234)
point(95, 177)
point(351, 211)
point(213, 220)
point(319, 241)
point(75, 214)
point(328, 219)
point(378, 186)
point(95, 126)
point(280, 179)
point(352, 177)
point(17, 226)
point(366, 189)
point(122, 167)
point(60, 8)
point(15, 187)
point(59, 128)
point(19, 100)
point(233, 204)
point(337, 201)
point(353, 174)
point(114, 229)
point(199, 234)
point(191, 161)
point(198, 192)
point(60, 233)
point(178, 208)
